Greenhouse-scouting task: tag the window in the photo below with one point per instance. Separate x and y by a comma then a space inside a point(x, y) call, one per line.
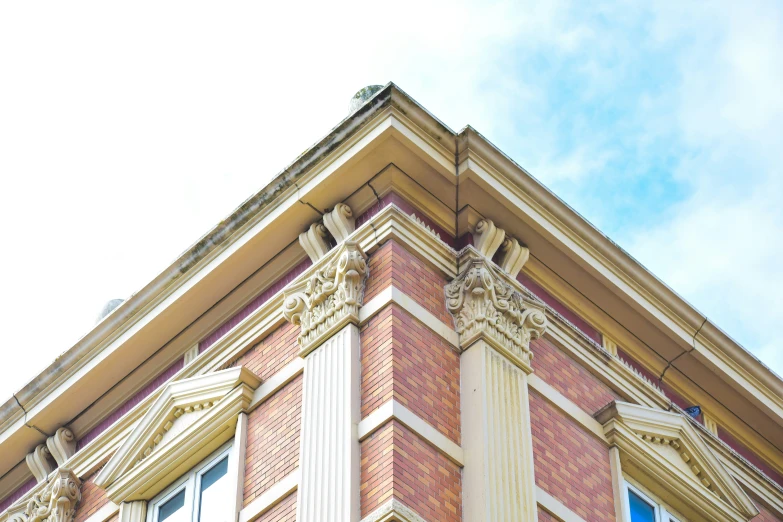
point(199, 496)
point(642, 508)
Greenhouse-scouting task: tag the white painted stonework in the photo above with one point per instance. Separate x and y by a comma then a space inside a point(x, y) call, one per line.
point(329, 451)
point(498, 482)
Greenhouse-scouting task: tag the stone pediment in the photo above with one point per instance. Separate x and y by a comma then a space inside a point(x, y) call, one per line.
point(665, 448)
point(190, 419)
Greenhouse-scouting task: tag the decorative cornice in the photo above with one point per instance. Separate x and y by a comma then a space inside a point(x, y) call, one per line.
point(62, 445)
point(56, 503)
point(486, 307)
point(329, 298)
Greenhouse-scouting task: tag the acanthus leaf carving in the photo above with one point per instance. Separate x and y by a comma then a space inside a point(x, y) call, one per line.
point(55, 503)
point(329, 298)
point(486, 306)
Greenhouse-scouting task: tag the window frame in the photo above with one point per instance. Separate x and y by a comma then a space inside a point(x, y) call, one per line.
point(662, 512)
point(190, 482)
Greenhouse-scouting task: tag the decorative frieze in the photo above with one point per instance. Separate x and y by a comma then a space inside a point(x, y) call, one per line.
point(340, 222)
point(315, 241)
point(39, 463)
point(486, 307)
point(61, 445)
point(330, 298)
point(55, 503)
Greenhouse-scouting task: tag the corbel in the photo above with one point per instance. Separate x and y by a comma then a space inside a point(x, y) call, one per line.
point(487, 238)
point(315, 241)
point(513, 256)
point(39, 463)
point(61, 445)
point(340, 222)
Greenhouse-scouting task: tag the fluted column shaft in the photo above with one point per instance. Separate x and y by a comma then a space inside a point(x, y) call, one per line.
point(329, 451)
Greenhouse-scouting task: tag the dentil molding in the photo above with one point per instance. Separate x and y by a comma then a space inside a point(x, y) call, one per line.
point(330, 298)
point(486, 307)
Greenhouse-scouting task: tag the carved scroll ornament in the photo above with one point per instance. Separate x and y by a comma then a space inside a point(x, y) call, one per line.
point(55, 503)
point(330, 298)
point(485, 306)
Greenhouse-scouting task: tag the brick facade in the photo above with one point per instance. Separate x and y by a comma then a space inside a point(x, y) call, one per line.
point(93, 499)
point(273, 440)
point(570, 464)
point(396, 463)
point(285, 511)
point(569, 377)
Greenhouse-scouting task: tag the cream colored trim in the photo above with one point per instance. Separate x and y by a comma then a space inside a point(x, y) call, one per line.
point(190, 419)
point(104, 513)
point(618, 488)
point(135, 511)
point(710, 423)
point(392, 294)
point(236, 465)
point(664, 451)
point(191, 354)
point(272, 385)
point(393, 511)
point(271, 497)
point(394, 410)
point(565, 405)
point(555, 508)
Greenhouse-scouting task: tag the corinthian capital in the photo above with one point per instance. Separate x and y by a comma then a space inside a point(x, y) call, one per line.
point(330, 298)
point(55, 503)
point(486, 307)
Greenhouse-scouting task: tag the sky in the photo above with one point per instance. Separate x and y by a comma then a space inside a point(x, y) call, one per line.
point(127, 130)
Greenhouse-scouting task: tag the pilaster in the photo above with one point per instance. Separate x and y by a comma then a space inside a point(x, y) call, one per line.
point(326, 306)
point(495, 324)
point(135, 511)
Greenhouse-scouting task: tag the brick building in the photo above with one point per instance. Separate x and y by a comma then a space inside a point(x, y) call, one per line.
point(404, 325)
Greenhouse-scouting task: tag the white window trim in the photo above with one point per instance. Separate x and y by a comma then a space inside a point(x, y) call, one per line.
point(662, 512)
point(191, 483)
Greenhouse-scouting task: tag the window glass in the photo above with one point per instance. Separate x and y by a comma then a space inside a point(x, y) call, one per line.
point(213, 492)
point(173, 510)
point(641, 511)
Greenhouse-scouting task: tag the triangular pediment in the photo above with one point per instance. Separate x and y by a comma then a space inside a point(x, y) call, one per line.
point(188, 420)
point(666, 448)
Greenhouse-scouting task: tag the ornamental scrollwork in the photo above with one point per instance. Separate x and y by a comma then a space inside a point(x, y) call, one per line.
point(55, 503)
point(484, 305)
point(330, 297)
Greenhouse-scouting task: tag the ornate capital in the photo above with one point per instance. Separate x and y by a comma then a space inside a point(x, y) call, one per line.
point(55, 503)
point(486, 307)
point(330, 298)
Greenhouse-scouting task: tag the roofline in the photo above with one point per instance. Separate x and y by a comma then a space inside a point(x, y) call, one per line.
point(219, 236)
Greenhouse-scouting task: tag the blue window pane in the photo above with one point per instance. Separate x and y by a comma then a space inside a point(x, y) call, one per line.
point(641, 511)
point(173, 506)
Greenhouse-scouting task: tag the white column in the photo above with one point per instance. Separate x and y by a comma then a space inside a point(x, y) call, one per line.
point(498, 483)
point(236, 467)
point(495, 324)
point(135, 511)
point(329, 451)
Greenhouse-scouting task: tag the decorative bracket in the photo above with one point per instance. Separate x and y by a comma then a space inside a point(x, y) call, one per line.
point(39, 463)
point(315, 241)
point(340, 222)
point(330, 298)
point(485, 306)
point(62, 445)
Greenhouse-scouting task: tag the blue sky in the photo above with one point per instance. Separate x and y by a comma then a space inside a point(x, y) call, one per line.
point(127, 131)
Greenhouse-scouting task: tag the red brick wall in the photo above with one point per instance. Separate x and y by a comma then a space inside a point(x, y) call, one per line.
point(276, 350)
point(544, 516)
point(93, 499)
point(765, 514)
point(395, 463)
point(404, 360)
point(569, 377)
point(570, 464)
point(393, 265)
point(285, 511)
point(273, 440)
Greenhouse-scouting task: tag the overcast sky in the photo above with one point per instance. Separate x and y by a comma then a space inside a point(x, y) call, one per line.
point(127, 130)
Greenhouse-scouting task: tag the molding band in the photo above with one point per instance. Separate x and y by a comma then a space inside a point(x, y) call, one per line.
point(556, 508)
point(393, 410)
point(105, 513)
point(271, 497)
point(393, 511)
